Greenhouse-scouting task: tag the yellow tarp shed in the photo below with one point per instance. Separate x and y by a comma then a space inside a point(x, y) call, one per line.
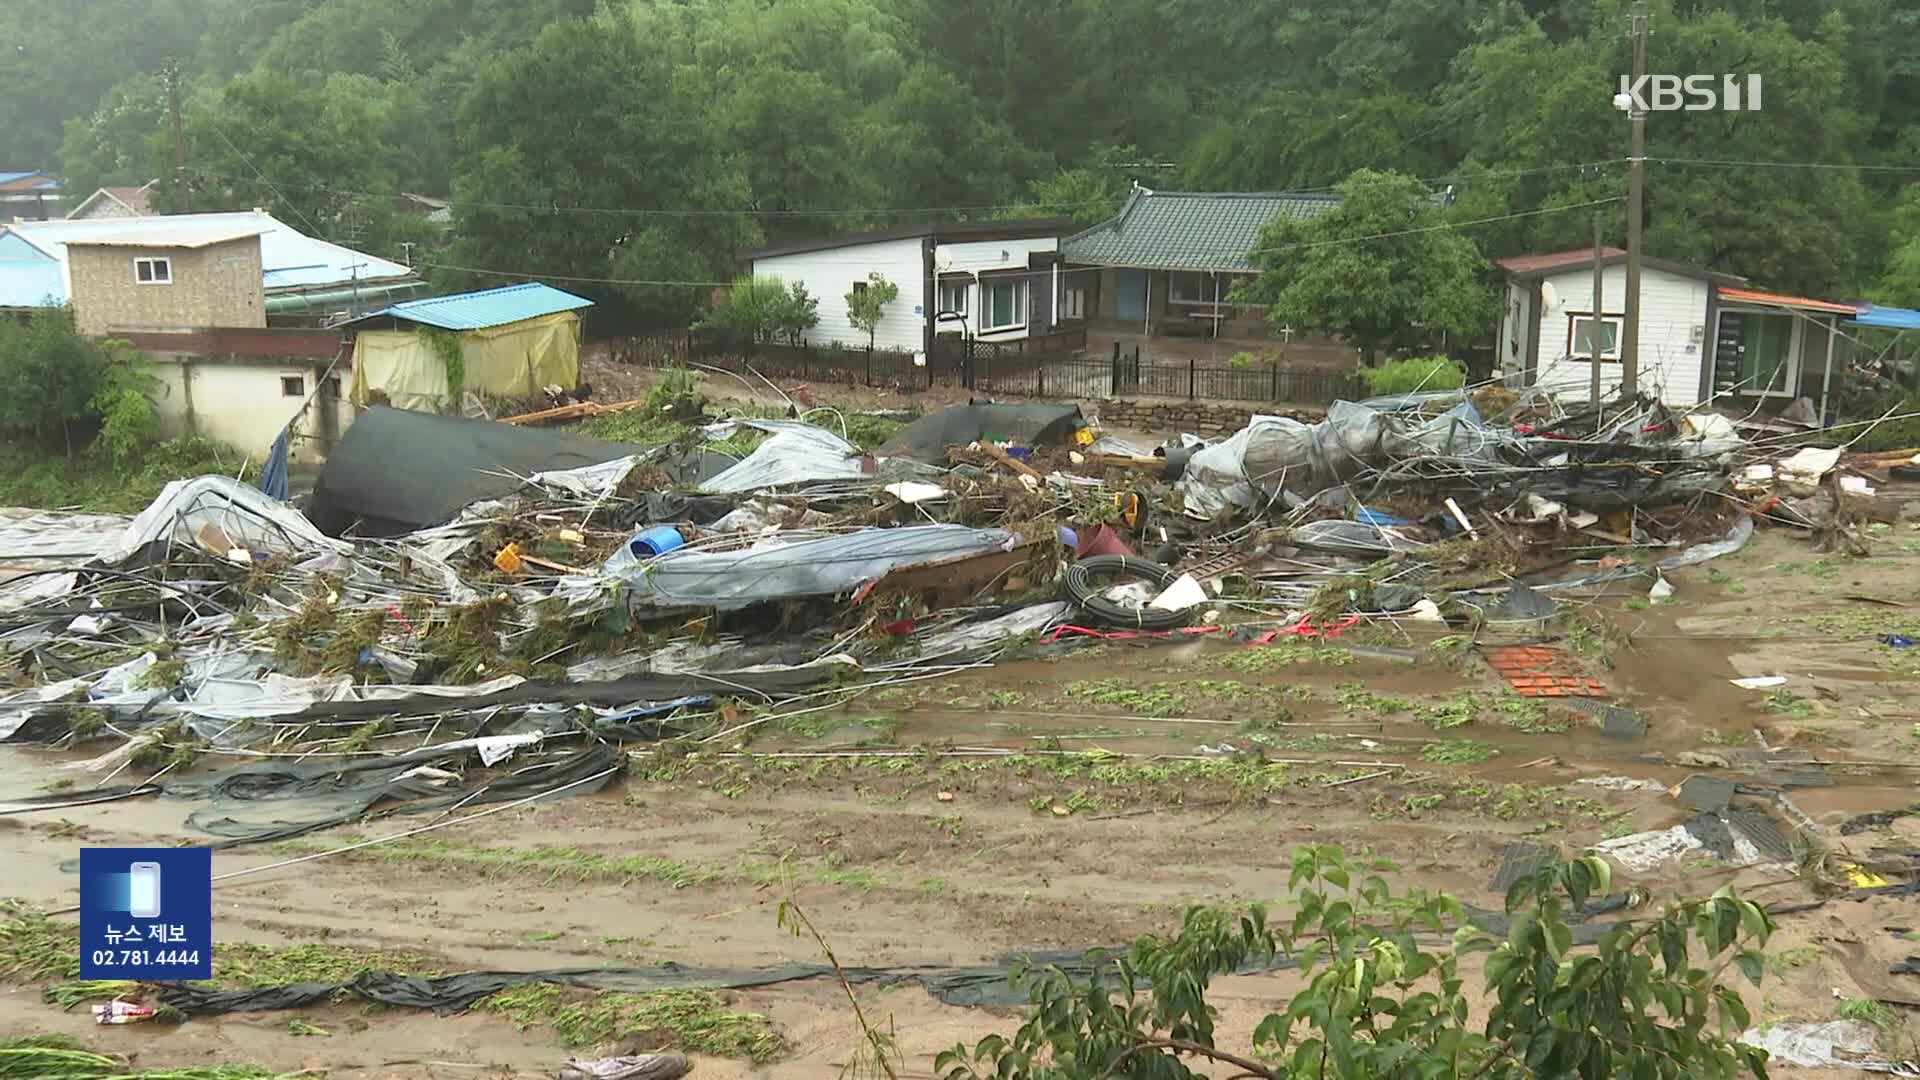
point(514, 360)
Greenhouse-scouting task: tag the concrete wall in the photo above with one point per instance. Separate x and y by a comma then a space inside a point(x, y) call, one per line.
point(226, 384)
point(216, 285)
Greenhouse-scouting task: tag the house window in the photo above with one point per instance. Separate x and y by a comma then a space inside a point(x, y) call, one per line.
point(1005, 303)
point(1192, 287)
point(330, 387)
point(1582, 329)
point(153, 271)
point(293, 386)
point(1073, 305)
point(859, 286)
point(953, 297)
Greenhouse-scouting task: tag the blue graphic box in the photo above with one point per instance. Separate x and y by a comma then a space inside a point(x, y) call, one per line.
point(146, 913)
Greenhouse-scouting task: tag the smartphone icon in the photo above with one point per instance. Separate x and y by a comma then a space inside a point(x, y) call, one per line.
point(143, 897)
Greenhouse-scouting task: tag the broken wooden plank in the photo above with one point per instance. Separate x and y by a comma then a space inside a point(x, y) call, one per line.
point(573, 412)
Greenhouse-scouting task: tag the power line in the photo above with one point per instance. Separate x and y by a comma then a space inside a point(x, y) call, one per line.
point(845, 212)
point(1050, 271)
point(662, 212)
point(1439, 227)
point(263, 178)
point(1725, 163)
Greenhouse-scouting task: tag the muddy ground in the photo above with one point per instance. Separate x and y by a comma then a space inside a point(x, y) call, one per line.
point(934, 857)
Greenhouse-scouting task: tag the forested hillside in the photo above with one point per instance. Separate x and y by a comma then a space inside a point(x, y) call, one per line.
point(641, 141)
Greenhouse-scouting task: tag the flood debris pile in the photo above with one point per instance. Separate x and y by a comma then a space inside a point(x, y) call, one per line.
point(458, 593)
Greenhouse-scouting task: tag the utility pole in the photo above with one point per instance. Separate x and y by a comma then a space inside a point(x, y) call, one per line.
point(1636, 202)
point(179, 138)
point(1593, 331)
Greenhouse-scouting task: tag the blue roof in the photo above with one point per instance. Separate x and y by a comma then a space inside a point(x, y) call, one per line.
point(1893, 318)
point(289, 259)
point(29, 278)
point(488, 307)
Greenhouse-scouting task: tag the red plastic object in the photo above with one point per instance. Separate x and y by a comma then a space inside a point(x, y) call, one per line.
point(1101, 540)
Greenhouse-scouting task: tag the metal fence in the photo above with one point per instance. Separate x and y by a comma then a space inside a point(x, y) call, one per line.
point(1000, 372)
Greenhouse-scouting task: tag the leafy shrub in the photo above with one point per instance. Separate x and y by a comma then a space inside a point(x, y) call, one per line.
point(129, 421)
point(1414, 373)
point(1382, 999)
point(49, 375)
point(1860, 404)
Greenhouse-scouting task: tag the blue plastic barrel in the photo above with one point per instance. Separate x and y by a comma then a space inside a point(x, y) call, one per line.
point(655, 541)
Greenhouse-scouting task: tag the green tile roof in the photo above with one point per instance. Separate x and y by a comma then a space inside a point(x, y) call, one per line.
point(1188, 230)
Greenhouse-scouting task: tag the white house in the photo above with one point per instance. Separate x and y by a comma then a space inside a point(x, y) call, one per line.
point(1704, 336)
point(990, 281)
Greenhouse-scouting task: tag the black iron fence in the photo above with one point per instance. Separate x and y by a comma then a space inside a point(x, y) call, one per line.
point(997, 371)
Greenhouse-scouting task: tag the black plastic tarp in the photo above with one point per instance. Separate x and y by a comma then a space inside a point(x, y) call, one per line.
point(396, 471)
point(927, 438)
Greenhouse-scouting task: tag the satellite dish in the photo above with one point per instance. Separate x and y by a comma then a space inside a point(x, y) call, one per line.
point(1549, 296)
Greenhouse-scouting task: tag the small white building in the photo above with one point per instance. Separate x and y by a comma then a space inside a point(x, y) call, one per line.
point(988, 281)
point(1704, 336)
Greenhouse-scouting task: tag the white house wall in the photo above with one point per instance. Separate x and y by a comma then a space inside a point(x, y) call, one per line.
point(829, 275)
point(981, 256)
point(1673, 315)
point(1513, 328)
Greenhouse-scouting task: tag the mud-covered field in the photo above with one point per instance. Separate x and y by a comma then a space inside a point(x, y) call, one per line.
point(1146, 783)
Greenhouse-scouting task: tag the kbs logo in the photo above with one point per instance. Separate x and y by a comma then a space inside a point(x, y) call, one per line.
point(1689, 93)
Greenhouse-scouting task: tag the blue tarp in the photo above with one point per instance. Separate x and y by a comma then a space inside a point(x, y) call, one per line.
point(1892, 318)
point(273, 475)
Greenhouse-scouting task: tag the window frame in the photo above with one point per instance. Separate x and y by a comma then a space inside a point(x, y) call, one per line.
point(1015, 282)
point(962, 287)
point(290, 380)
point(1606, 318)
point(151, 263)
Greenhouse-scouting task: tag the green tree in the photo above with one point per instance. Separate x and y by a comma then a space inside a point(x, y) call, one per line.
point(1380, 1002)
point(302, 153)
point(119, 142)
point(762, 308)
point(867, 303)
point(1381, 269)
point(49, 379)
point(619, 177)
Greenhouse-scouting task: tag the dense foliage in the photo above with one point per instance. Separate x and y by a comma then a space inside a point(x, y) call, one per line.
point(640, 142)
point(1382, 999)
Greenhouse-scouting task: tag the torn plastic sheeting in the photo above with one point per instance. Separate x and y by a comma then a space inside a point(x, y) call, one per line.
point(1736, 538)
point(913, 492)
point(991, 984)
point(21, 705)
point(38, 589)
point(797, 453)
point(824, 566)
point(1810, 464)
point(591, 481)
point(245, 515)
point(1845, 1044)
point(1644, 851)
point(51, 536)
point(1218, 476)
point(626, 1067)
point(1031, 619)
point(275, 800)
point(1346, 537)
